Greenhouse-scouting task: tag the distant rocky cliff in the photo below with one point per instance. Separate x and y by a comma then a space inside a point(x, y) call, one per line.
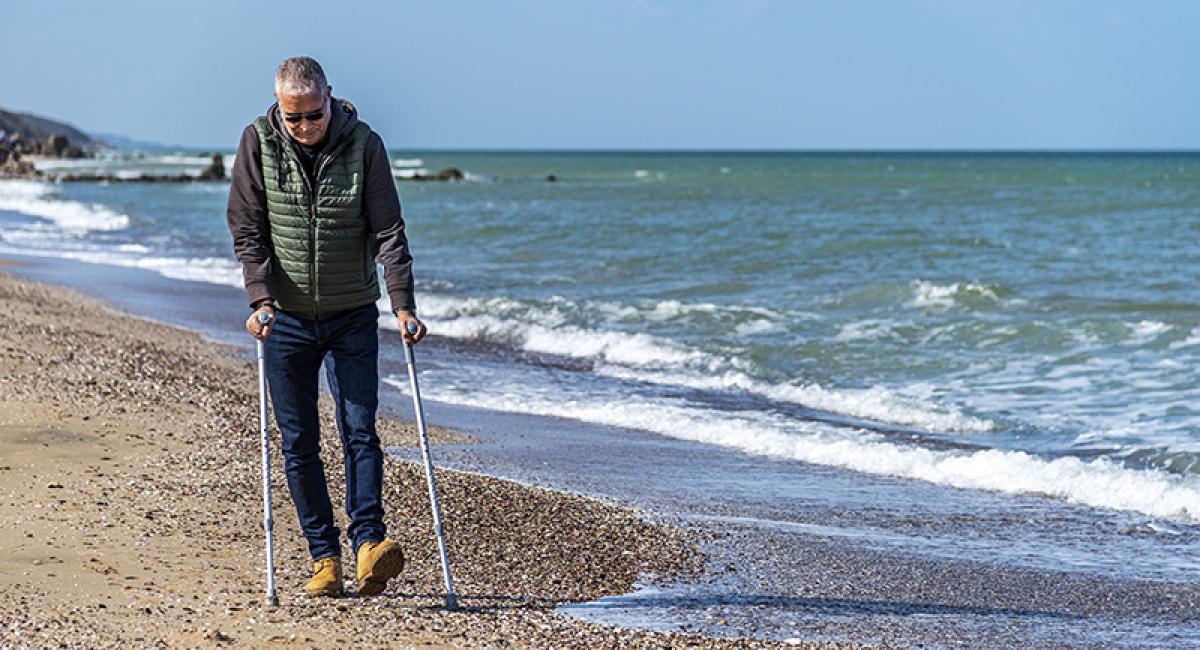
point(26, 134)
point(38, 133)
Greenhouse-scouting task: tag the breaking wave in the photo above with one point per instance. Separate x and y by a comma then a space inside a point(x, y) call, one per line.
point(38, 199)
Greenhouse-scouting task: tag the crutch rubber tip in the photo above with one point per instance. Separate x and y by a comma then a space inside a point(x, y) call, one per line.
point(272, 601)
point(451, 602)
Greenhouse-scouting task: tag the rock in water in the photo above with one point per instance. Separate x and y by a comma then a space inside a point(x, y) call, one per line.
point(57, 144)
point(215, 170)
point(451, 174)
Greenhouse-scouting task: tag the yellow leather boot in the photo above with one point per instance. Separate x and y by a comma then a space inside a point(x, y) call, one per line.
point(378, 562)
point(327, 577)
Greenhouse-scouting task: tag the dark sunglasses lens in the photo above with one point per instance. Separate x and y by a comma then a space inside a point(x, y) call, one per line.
point(294, 118)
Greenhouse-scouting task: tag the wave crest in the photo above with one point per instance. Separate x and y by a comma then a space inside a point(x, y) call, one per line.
point(36, 199)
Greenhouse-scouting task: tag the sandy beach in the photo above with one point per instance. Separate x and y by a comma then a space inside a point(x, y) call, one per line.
point(130, 512)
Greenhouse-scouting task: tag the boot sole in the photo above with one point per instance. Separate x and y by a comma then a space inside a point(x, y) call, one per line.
point(324, 593)
point(388, 565)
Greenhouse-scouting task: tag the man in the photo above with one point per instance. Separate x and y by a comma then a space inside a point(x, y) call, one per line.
point(312, 207)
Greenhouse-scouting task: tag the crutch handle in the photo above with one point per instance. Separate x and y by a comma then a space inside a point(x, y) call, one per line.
point(408, 348)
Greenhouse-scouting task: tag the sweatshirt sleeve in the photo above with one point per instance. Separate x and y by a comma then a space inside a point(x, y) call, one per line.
point(382, 204)
point(247, 217)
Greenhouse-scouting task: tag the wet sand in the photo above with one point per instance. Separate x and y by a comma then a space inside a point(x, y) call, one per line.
point(130, 512)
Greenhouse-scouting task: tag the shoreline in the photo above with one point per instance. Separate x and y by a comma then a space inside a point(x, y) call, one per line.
point(132, 510)
point(790, 550)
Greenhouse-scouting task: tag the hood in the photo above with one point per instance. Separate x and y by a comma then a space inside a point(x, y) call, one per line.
point(341, 124)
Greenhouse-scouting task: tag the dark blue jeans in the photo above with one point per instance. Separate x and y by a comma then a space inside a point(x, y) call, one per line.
point(347, 343)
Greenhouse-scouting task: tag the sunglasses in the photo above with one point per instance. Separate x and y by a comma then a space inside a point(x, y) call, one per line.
point(294, 118)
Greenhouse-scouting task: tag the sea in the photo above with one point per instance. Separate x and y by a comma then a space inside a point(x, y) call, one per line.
point(937, 333)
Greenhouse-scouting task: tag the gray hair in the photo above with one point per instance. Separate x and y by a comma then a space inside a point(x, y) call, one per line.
point(300, 75)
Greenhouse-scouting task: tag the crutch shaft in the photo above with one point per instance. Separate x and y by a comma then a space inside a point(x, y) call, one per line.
point(268, 521)
point(430, 480)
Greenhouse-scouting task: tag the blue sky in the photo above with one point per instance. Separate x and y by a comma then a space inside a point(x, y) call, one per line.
point(629, 74)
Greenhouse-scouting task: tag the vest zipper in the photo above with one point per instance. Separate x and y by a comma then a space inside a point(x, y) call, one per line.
point(312, 217)
point(312, 227)
point(312, 238)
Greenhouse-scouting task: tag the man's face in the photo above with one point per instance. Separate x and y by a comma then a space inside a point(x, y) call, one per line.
point(300, 112)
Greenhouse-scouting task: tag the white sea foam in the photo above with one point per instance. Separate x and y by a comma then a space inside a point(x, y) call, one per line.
point(754, 327)
point(878, 404)
point(616, 311)
point(548, 329)
point(665, 310)
point(1146, 331)
point(415, 172)
point(37, 199)
point(554, 309)
point(1084, 337)
point(212, 270)
point(74, 164)
point(1097, 483)
point(882, 405)
point(178, 159)
point(615, 347)
point(127, 167)
point(410, 172)
point(70, 220)
point(864, 330)
point(927, 295)
point(454, 307)
point(656, 360)
point(1192, 339)
point(408, 162)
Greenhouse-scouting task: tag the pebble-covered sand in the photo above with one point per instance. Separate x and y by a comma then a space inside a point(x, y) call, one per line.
point(130, 512)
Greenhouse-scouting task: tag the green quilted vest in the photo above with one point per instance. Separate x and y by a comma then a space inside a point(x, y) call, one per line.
point(323, 249)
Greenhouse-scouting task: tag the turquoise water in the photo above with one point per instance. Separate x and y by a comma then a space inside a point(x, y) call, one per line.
point(1020, 323)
